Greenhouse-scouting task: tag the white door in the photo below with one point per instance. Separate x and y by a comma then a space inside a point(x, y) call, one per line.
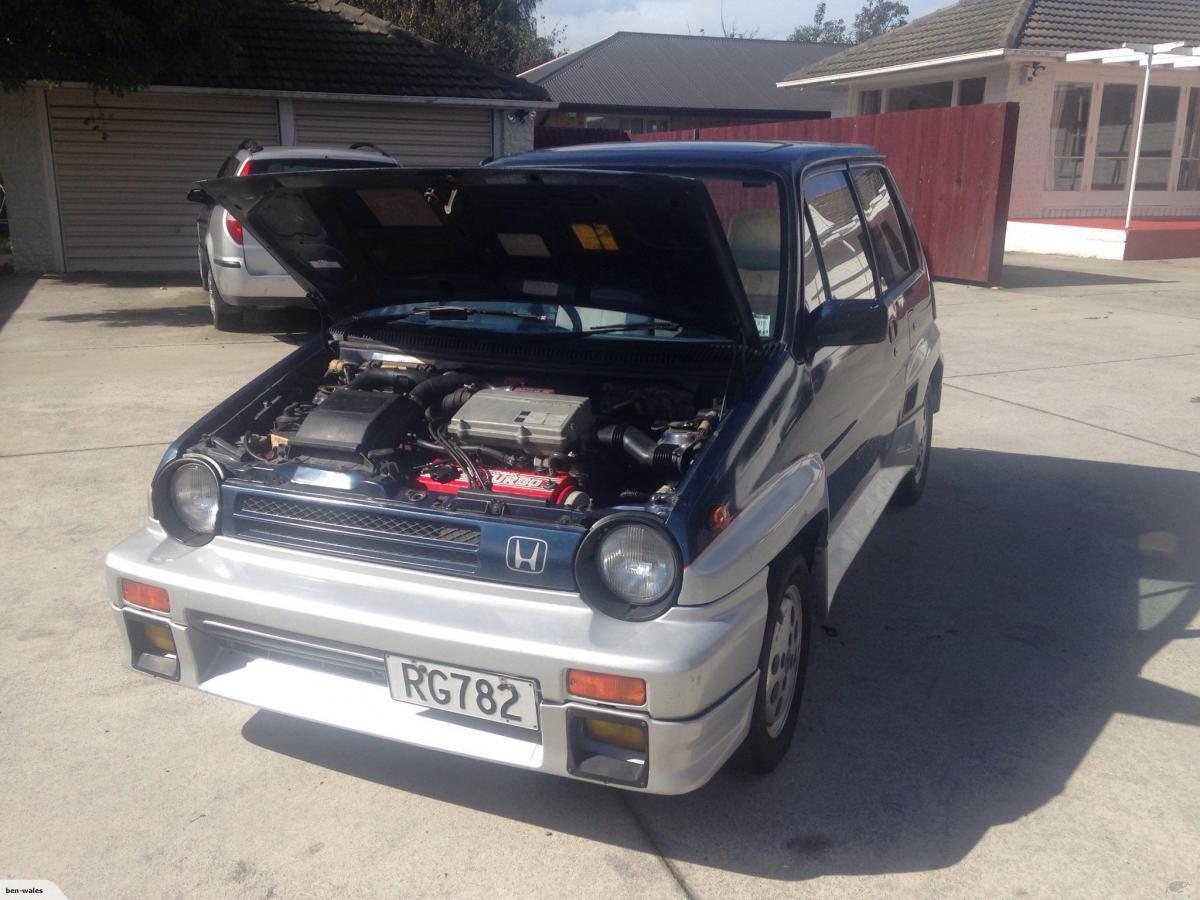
point(431, 135)
point(123, 166)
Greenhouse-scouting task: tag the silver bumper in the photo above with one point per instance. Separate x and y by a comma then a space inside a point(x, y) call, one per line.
point(239, 287)
point(699, 662)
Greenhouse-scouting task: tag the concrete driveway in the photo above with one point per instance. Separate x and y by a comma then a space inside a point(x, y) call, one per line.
point(1005, 701)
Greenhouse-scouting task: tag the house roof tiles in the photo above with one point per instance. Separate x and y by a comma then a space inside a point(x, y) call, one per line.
point(971, 26)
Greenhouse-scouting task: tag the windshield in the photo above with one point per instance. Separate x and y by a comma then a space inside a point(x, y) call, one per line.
point(537, 318)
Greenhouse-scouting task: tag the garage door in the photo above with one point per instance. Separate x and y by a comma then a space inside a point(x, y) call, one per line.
point(415, 135)
point(124, 166)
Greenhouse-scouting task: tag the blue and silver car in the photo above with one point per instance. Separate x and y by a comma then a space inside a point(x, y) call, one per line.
point(588, 438)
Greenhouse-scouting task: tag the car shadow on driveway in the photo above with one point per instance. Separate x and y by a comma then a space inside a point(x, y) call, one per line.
point(978, 647)
point(1017, 276)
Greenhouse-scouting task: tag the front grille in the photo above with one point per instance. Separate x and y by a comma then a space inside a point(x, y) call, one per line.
point(358, 533)
point(255, 641)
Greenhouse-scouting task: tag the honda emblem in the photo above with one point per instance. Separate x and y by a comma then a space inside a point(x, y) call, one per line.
point(526, 554)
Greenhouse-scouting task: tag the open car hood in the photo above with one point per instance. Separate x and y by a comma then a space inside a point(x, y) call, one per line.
point(637, 243)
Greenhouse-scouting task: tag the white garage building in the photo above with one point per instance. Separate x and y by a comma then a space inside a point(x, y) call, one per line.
point(96, 182)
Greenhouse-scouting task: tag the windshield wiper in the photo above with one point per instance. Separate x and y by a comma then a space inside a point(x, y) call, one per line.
point(656, 325)
point(462, 313)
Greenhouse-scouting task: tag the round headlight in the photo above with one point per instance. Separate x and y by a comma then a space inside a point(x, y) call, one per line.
point(637, 563)
point(628, 566)
point(189, 501)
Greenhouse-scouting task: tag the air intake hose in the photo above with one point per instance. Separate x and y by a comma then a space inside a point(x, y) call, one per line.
point(376, 378)
point(433, 389)
point(665, 459)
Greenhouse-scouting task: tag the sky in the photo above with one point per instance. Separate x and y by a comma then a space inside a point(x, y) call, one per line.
point(587, 21)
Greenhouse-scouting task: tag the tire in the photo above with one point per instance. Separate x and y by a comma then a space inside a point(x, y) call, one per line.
point(909, 491)
point(224, 316)
point(203, 258)
point(782, 663)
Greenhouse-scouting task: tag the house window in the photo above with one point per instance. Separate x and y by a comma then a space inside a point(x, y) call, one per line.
point(1115, 137)
point(870, 102)
point(1158, 138)
point(1068, 136)
point(920, 96)
point(1189, 163)
point(970, 91)
point(635, 124)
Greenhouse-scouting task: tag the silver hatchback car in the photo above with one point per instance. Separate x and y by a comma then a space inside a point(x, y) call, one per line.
point(234, 268)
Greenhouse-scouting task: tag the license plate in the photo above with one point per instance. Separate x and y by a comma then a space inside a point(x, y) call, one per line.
point(497, 698)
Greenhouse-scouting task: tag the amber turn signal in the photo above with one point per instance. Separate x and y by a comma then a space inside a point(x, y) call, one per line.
point(606, 688)
point(719, 519)
point(145, 595)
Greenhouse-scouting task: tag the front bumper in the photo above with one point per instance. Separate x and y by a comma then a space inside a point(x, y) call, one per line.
point(301, 634)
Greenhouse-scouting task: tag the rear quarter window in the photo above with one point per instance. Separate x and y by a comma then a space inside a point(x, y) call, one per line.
point(889, 237)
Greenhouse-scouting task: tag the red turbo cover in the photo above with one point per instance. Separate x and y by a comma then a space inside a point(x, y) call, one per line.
point(552, 488)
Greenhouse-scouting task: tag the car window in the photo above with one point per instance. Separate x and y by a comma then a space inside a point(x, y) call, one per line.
point(888, 239)
point(813, 284)
point(228, 167)
point(840, 238)
point(749, 211)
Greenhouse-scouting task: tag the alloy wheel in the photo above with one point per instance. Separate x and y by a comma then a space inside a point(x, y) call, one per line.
point(783, 665)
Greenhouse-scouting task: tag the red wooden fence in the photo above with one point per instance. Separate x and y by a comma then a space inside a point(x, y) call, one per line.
point(954, 167)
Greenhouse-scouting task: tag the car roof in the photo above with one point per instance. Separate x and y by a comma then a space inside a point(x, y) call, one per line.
point(308, 152)
point(775, 155)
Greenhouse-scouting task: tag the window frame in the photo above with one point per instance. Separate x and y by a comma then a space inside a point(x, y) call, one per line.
point(907, 232)
point(841, 167)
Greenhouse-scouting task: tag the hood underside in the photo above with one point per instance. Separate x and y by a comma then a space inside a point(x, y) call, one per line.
point(638, 243)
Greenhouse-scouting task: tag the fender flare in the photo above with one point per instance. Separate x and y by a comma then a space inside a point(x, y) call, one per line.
point(764, 529)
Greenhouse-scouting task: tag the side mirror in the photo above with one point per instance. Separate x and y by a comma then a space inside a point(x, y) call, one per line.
point(198, 195)
point(845, 323)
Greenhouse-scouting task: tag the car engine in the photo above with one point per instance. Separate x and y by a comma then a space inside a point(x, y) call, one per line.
point(411, 430)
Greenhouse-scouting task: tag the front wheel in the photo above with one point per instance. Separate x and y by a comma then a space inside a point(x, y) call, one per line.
point(782, 664)
point(912, 487)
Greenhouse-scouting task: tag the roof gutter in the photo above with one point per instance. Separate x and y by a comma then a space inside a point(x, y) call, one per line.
point(887, 70)
point(501, 103)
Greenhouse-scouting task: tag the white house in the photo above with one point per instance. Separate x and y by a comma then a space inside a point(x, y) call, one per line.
point(1078, 119)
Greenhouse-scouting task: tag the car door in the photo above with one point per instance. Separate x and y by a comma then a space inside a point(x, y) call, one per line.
point(902, 277)
point(857, 389)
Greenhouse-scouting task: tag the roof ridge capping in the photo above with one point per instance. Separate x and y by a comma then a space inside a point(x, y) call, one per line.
point(718, 37)
point(828, 68)
point(1016, 25)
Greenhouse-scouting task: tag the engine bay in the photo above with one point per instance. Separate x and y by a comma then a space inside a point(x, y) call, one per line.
point(457, 436)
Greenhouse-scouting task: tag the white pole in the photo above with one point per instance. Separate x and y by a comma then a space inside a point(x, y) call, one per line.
point(1137, 142)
